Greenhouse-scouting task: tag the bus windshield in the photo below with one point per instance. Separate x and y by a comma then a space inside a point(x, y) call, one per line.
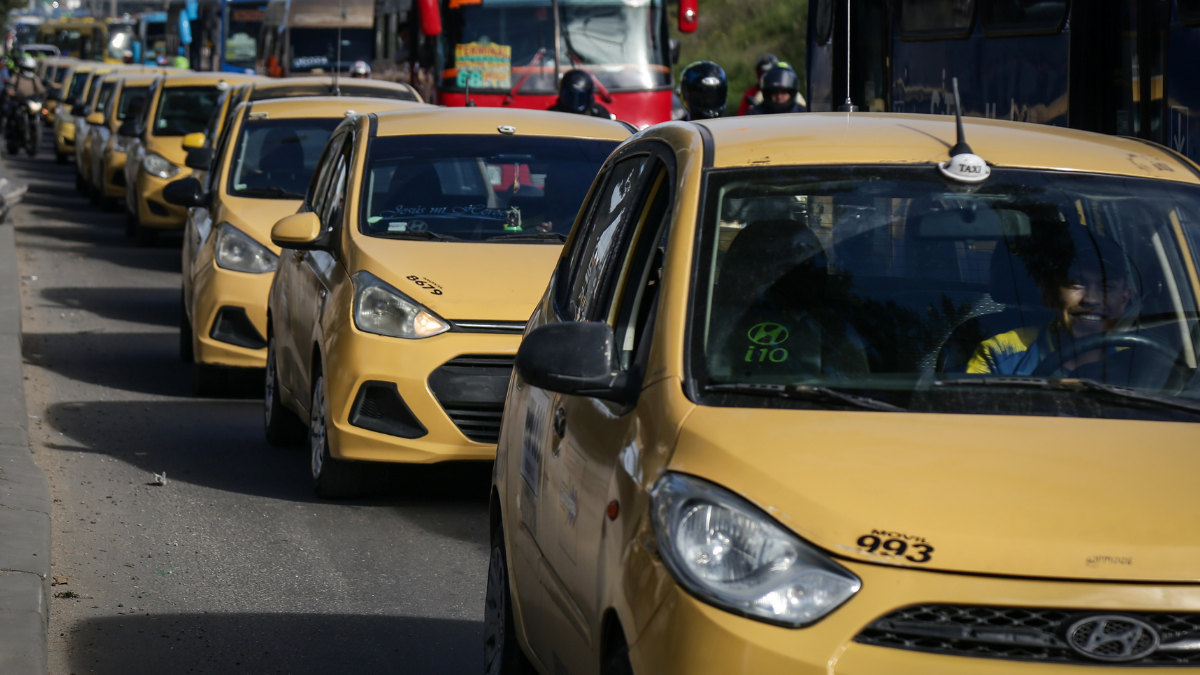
point(313, 49)
point(120, 41)
point(242, 24)
point(491, 44)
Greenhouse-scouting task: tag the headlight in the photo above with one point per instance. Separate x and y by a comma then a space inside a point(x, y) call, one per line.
point(383, 310)
point(728, 553)
point(157, 165)
point(121, 143)
point(34, 106)
point(236, 251)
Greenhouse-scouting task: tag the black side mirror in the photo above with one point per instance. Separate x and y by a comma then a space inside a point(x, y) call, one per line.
point(673, 45)
point(199, 158)
point(186, 192)
point(128, 128)
point(573, 358)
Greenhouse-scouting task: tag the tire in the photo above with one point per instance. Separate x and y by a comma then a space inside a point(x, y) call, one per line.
point(208, 381)
point(14, 148)
point(502, 654)
point(332, 478)
point(187, 352)
point(283, 427)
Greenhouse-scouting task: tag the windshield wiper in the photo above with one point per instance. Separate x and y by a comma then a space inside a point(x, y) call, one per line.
point(418, 234)
point(544, 236)
point(269, 193)
point(804, 392)
point(1082, 386)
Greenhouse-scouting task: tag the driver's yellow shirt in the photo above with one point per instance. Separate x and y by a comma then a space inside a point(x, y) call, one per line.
point(1013, 353)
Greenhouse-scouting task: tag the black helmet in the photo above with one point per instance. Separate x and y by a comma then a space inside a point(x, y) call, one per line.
point(781, 78)
point(576, 91)
point(703, 89)
point(764, 63)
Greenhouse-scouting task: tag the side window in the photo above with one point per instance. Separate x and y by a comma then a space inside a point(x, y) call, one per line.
point(592, 260)
point(936, 18)
point(1023, 17)
point(214, 174)
point(144, 113)
point(325, 169)
point(1189, 11)
point(335, 199)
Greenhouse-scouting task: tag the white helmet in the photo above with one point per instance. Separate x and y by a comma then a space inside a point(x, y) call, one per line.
point(360, 69)
point(26, 64)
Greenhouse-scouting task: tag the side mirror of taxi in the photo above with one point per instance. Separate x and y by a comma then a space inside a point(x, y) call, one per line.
point(185, 192)
point(193, 141)
point(574, 357)
point(198, 158)
point(301, 231)
point(95, 119)
point(128, 128)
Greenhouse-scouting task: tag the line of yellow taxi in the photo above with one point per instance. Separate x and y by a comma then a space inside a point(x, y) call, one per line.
point(818, 393)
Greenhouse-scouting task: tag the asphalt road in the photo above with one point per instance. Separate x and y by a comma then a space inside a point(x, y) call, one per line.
point(232, 566)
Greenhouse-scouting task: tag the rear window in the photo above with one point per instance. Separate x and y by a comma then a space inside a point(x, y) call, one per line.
point(1022, 17)
point(478, 188)
point(184, 110)
point(936, 18)
point(275, 159)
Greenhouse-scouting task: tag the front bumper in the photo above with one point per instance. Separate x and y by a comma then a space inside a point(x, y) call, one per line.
point(114, 174)
point(220, 292)
point(64, 138)
point(152, 210)
point(685, 635)
point(354, 358)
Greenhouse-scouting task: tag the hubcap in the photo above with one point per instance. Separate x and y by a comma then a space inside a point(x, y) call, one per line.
point(316, 427)
point(493, 614)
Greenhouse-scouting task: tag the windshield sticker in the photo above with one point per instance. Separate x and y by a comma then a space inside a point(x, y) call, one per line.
point(426, 284)
point(764, 337)
point(537, 407)
point(483, 66)
point(474, 210)
point(895, 545)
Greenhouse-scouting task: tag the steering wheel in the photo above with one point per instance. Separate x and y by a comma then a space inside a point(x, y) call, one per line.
point(1055, 368)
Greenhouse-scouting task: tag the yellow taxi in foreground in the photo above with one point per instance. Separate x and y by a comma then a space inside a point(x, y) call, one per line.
point(107, 146)
point(808, 396)
point(408, 276)
point(260, 175)
point(176, 105)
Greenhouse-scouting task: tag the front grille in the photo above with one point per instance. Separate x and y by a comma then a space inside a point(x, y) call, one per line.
point(505, 327)
point(1023, 634)
point(378, 407)
point(471, 389)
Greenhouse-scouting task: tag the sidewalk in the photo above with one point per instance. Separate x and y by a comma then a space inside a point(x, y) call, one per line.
point(24, 493)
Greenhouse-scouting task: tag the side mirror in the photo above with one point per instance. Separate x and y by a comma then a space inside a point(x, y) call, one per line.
point(128, 128)
point(673, 46)
point(300, 231)
point(192, 141)
point(95, 119)
point(574, 358)
point(198, 158)
point(185, 192)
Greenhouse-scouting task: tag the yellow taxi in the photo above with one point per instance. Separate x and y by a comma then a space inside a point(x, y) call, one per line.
point(408, 276)
point(809, 395)
point(66, 97)
point(260, 175)
point(53, 71)
point(176, 105)
point(93, 98)
point(107, 148)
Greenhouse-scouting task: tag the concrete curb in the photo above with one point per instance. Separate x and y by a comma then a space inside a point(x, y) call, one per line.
point(24, 496)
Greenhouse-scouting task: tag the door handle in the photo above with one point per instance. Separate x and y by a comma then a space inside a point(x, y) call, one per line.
point(560, 422)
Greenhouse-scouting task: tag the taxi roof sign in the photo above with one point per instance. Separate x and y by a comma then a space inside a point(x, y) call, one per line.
point(964, 165)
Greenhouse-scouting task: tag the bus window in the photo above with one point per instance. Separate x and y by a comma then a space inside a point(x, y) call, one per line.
point(1189, 11)
point(242, 25)
point(936, 18)
point(317, 48)
point(823, 26)
point(1022, 17)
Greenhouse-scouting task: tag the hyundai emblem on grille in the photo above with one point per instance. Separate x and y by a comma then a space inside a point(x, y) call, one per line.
point(1112, 638)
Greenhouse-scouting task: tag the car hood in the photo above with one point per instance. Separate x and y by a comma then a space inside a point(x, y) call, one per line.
point(1000, 495)
point(170, 147)
point(464, 281)
point(256, 217)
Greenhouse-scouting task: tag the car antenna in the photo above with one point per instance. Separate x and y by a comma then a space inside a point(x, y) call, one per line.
point(337, 66)
point(848, 106)
point(964, 164)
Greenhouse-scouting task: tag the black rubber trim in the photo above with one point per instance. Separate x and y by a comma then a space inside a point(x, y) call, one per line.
point(233, 326)
point(706, 139)
point(372, 125)
point(392, 415)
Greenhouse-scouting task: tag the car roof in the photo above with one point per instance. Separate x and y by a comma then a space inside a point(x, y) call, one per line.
point(462, 121)
point(328, 106)
point(262, 88)
point(136, 80)
point(897, 138)
point(191, 79)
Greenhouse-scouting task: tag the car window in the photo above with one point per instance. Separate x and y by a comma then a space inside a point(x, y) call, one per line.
point(611, 208)
point(102, 100)
point(131, 101)
point(335, 198)
point(319, 185)
point(184, 110)
point(275, 159)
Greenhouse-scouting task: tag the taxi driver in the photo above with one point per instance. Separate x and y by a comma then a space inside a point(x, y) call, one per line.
point(1088, 299)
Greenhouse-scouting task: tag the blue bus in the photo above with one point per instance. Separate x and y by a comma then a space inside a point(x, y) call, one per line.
point(1124, 67)
point(216, 35)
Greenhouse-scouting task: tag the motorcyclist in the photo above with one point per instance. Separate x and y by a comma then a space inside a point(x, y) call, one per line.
point(577, 95)
point(752, 95)
point(25, 85)
point(360, 70)
point(780, 90)
point(703, 89)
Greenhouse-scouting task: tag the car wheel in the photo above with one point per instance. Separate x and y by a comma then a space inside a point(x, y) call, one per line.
point(332, 478)
point(208, 381)
point(79, 185)
point(502, 654)
point(187, 352)
point(282, 425)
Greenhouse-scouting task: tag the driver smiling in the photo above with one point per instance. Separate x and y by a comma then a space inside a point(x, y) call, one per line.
point(1088, 296)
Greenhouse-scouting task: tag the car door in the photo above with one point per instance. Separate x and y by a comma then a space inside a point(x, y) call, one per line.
point(576, 458)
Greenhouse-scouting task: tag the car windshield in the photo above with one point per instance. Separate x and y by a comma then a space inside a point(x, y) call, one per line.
point(242, 24)
point(311, 49)
point(477, 188)
point(106, 92)
point(896, 284)
point(492, 44)
point(78, 81)
point(131, 102)
point(275, 159)
point(60, 73)
point(184, 110)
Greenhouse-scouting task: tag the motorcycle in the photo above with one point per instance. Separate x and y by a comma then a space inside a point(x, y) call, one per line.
point(24, 128)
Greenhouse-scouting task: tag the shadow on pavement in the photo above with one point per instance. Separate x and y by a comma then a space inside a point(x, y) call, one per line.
point(152, 306)
point(147, 363)
point(298, 644)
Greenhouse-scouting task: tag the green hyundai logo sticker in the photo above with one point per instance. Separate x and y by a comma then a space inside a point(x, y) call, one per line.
point(767, 333)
